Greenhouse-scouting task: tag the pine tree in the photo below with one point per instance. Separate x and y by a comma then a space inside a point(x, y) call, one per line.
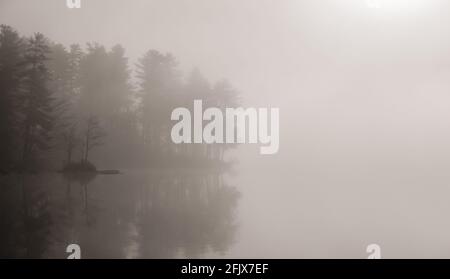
point(94, 82)
point(11, 69)
point(64, 67)
point(224, 95)
point(118, 81)
point(36, 101)
point(159, 83)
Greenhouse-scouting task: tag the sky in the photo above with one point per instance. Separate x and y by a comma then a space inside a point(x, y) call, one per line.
point(353, 79)
point(363, 88)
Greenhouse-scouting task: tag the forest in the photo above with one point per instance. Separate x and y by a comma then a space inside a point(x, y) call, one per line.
point(68, 107)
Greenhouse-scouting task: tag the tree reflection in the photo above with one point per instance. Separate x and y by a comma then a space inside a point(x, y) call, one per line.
point(165, 214)
point(186, 216)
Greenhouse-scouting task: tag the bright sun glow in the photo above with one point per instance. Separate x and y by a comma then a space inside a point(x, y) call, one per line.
point(373, 4)
point(398, 6)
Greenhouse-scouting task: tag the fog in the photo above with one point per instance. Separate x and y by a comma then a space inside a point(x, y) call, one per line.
point(338, 71)
point(363, 91)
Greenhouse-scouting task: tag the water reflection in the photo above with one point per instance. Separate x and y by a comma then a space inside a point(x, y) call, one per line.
point(159, 214)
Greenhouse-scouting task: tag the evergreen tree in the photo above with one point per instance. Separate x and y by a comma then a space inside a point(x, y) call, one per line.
point(119, 82)
point(159, 83)
point(36, 101)
point(106, 94)
point(224, 95)
point(198, 88)
point(11, 70)
point(64, 67)
point(93, 82)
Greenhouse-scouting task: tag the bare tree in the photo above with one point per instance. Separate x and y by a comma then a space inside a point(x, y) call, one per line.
point(93, 136)
point(71, 142)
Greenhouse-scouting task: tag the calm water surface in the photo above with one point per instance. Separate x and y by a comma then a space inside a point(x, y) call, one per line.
point(250, 214)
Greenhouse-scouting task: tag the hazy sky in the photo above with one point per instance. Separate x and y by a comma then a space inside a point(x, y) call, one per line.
point(351, 78)
point(363, 88)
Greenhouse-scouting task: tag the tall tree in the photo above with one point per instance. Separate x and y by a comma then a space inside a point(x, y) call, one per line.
point(94, 82)
point(106, 93)
point(36, 101)
point(64, 67)
point(198, 88)
point(224, 95)
point(104, 80)
point(92, 137)
point(11, 70)
point(159, 82)
point(119, 81)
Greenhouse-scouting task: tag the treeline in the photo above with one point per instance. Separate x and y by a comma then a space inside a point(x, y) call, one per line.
point(62, 105)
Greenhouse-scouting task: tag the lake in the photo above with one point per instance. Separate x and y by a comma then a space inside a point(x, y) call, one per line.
point(202, 214)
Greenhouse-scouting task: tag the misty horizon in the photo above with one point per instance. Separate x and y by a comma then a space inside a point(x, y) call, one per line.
point(363, 92)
